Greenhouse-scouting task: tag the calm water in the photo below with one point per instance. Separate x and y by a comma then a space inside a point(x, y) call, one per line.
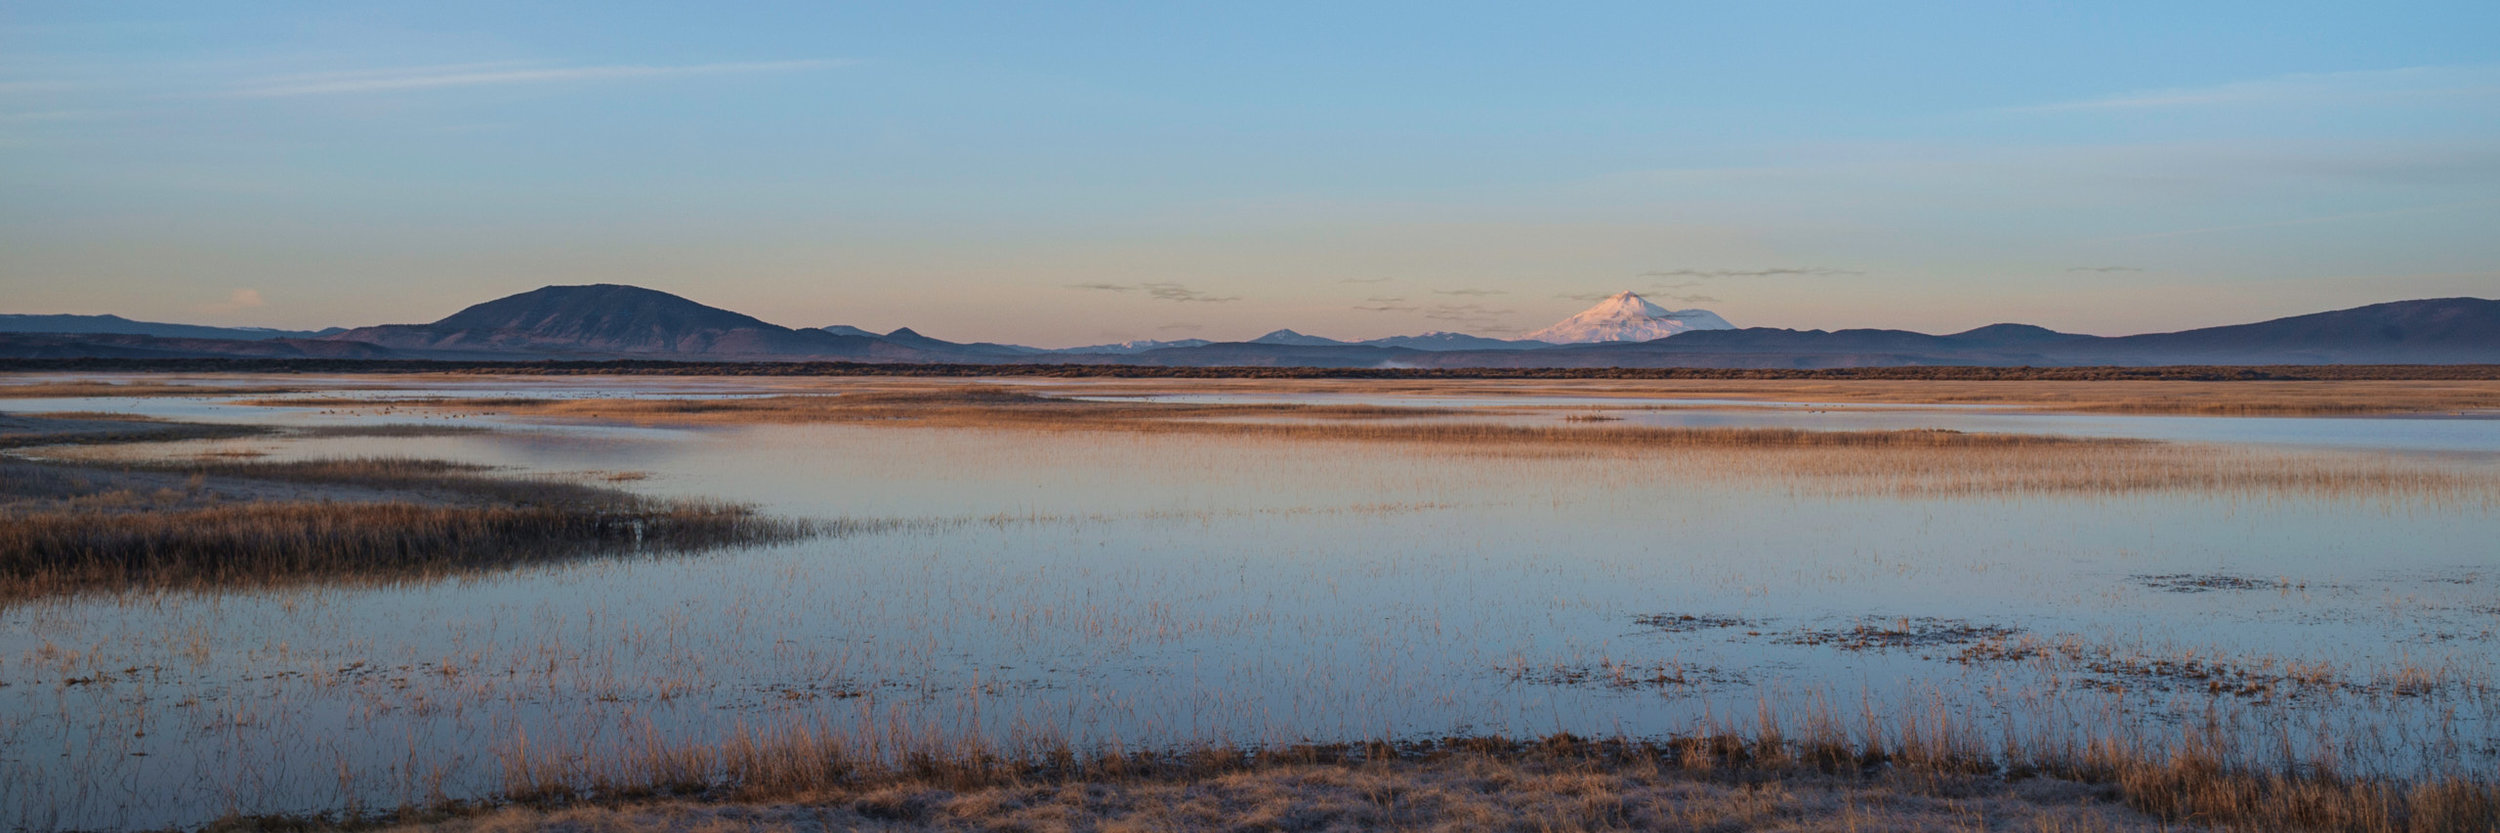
point(1158, 589)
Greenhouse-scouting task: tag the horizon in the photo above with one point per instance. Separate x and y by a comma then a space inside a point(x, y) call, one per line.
point(1228, 339)
point(1062, 178)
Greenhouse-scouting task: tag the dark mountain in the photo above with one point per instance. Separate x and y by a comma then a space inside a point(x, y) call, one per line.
point(2437, 331)
point(2431, 331)
point(1454, 341)
point(906, 337)
point(610, 321)
point(1127, 347)
point(847, 330)
point(117, 325)
point(616, 320)
point(132, 346)
point(1294, 339)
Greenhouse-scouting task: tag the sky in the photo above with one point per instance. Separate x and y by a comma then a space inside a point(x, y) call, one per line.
point(1064, 174)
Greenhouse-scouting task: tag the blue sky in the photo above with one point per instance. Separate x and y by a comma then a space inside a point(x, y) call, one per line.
point(1063, 174)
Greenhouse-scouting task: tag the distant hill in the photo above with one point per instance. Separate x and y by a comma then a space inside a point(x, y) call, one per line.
point(613, 321)
point(2431, 331)
point(133, 346)
point(117, 325)
point(906, 337)
point(1138, 346)
point(1455, 341)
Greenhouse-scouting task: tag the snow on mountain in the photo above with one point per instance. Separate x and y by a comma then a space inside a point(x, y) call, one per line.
point(1628, 317)
point(1136, 346)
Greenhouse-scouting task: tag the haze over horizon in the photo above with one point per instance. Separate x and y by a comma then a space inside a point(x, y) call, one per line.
point(1058, 177)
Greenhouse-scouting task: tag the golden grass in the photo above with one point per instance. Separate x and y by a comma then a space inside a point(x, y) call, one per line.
point(2212, 398)
point(434, 518)
point(83, 428)
point(83, 389)
point(275, 544)
point(984, 407)
point(1925, 771)
point(1903, 462)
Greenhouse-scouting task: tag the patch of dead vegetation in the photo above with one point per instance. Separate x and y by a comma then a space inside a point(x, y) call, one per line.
point(225, 523)
point(1898, 633)
point(2212, 582)
point(1691, 623)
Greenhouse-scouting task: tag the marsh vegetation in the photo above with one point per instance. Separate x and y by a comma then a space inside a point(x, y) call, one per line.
point(1405, 610)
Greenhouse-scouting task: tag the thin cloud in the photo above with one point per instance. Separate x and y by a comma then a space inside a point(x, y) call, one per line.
point(479, 75)
point(1160, 291)
point(1477, 293)
point(1383, 299)
point(2420, 83)
point(236, 301)
point(2104, 268)
point(1363, 280)
point(1388, 308)
point(1773, 272)
point(1653, 295)
point(1177, 292)
point(31, 87)
point(1469, 314)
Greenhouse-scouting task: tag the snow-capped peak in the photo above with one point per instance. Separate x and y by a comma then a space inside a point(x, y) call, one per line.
point(1628, 317)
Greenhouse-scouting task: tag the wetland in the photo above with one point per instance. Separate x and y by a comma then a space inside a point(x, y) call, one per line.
point(468, 601)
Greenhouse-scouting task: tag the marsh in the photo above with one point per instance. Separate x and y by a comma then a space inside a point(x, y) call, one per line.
point(1026, 566)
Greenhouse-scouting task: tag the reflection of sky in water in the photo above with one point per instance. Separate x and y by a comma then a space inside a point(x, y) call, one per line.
point(1140, 587)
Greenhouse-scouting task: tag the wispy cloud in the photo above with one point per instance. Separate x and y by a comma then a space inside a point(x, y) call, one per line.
point(236, 301)
point(1476, 293)
point(479, 75)
point(32, 87)
point(1470, 315)
point(1773, 272)
point(1160, 291)
point(2306, 88)
point(1387, 307)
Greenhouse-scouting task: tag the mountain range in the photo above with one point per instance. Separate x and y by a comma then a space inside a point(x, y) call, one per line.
point(608, 321)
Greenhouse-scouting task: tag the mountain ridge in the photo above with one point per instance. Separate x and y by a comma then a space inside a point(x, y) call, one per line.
point(609, 321)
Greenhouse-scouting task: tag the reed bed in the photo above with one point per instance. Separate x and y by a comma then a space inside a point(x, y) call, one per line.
point(979, 407)
point(1899, 462)
point(74, 530)
point(2255, 397)
point(89, 389)
point(1918, 769)
point(275, 544)
point(89, 428)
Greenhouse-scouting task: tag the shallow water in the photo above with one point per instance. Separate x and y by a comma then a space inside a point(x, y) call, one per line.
point(1169, 588)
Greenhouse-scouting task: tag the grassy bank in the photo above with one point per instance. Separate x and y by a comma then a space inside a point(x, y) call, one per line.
point(1926, 773)
point(241, 524)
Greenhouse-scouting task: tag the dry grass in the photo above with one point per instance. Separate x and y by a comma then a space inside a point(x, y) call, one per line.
point(1907, 462)
point(2211, 398)
point(984, 407)
point(263, 544)
point(83, 389)
point(1925, 772)
point(70, 529)
point(85, 428)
